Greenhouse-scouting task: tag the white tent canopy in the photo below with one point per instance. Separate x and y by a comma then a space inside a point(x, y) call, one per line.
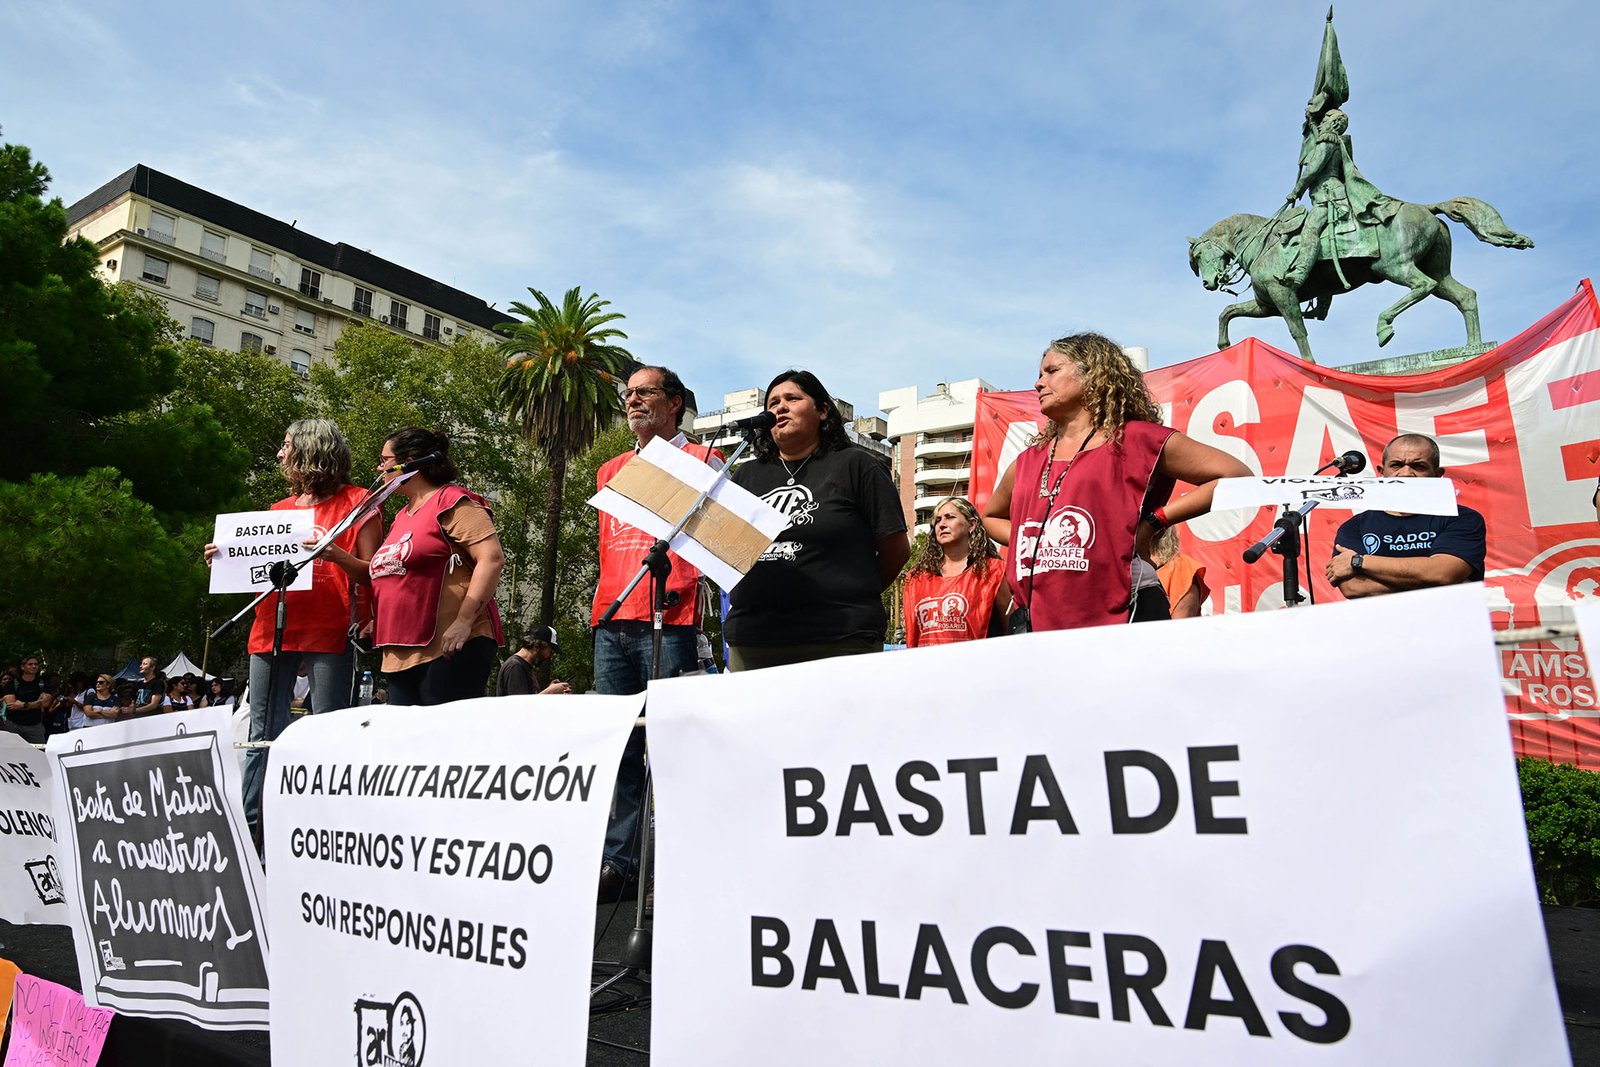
point(184, 665)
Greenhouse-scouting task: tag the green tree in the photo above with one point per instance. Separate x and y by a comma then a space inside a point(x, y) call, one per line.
point(110, 478)
point(253, 396)
point(560, 384)
point(87, 566)
point(74, 352)
point(379, 382)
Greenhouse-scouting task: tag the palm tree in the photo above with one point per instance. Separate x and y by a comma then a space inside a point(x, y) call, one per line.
point(560, 384)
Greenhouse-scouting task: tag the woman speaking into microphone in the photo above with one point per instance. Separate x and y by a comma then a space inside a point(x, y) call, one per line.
point(434, 577)
point(817, 590)
point(1079, 506)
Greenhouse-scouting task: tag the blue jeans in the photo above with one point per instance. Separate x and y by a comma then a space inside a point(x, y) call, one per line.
point(622, 660)
point(331, 681)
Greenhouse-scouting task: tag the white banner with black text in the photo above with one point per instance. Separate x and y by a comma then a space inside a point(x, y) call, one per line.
point(1200, 842)
point(433, 879)
point(162, 883)
point(30, 853)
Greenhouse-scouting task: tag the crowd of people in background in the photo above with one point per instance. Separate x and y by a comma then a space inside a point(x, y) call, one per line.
point(40, 701)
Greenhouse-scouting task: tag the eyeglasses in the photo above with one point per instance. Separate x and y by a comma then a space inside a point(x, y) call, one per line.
point(643, 392)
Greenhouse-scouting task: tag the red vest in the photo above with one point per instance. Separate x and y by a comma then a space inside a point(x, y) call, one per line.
point(1076, 569)
point(316, 619)
point(942, 610)
point(408, 572)
point(622, 549)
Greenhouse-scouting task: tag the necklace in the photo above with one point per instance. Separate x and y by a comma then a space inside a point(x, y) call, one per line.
point(795, 472)
point(1050, 491)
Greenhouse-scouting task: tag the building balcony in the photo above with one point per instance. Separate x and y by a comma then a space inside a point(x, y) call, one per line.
point(944, 448)
point(212, 254)
point(942, 475)
point(164, 238)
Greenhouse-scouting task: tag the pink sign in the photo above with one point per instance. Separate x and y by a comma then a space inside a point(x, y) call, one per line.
point(51, 1026)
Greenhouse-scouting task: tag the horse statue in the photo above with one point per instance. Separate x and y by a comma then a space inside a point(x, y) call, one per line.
point(1411, 247)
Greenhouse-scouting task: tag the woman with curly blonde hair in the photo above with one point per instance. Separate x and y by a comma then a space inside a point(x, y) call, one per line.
point(954, 590)
point(1079, 506)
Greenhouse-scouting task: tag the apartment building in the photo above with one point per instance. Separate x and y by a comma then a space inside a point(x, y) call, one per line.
point(236, 278)
point(868, 431)
point(931, 444)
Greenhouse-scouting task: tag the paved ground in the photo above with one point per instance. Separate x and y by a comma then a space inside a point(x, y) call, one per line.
point(619, 1029)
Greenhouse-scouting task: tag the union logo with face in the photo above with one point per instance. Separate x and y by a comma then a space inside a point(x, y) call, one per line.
point(1060, 546)
point(946, 612)
point(390, 560)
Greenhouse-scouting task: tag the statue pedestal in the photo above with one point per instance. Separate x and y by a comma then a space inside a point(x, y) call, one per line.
point(1419, 362)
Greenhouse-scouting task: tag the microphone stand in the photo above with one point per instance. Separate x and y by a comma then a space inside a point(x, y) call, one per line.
point(636, 952)
point(283, 575)
point(1284, 540)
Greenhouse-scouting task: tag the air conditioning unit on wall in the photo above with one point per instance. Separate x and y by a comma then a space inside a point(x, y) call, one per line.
point(272, 350)
point(385, 320)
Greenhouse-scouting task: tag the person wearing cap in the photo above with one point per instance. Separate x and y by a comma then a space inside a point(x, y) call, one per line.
point(517, 672)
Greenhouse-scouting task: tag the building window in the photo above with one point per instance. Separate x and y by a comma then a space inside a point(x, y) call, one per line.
point(213, 246)
point(251, 342)
point(207, 287)
point(300, 362)
point(255, 303)
point(155, 270)
point(162, 226)
point(397, 314)
point(305, 321)
point(311, 282)
point(430, 326)
point(202, 330)
point(362, 304)
point(261, 263)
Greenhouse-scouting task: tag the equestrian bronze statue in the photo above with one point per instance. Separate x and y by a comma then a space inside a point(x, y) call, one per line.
point(1351, 234)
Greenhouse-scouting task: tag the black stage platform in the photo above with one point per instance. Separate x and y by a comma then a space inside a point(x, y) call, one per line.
point(620, 1036)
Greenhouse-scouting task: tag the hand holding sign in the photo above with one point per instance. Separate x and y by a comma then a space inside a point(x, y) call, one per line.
point(249, 542)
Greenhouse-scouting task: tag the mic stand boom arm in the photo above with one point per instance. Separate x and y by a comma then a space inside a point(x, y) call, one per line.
point(1284, 539)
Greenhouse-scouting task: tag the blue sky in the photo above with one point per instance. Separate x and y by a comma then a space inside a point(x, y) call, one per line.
point(887, 194)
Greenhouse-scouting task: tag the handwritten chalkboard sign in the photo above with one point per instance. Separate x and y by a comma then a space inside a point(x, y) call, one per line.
point(168, 915)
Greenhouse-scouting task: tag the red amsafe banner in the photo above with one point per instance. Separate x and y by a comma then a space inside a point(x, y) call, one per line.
point(1519, 432)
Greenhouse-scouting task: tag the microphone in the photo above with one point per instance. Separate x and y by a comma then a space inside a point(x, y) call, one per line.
point(422, 461)
point(761, 420)
point(1351, 462)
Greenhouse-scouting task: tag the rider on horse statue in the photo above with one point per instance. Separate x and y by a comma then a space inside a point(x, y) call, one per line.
point(1345, 207)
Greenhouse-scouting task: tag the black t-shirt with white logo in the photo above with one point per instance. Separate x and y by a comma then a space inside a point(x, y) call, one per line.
point(1377, 533)
point(819, 580)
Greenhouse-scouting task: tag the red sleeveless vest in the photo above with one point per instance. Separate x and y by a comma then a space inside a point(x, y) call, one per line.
point(1074, 567)
point(408, 572)
point(942, 610)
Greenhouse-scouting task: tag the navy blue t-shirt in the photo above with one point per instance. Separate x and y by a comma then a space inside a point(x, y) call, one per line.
point(1377, 533)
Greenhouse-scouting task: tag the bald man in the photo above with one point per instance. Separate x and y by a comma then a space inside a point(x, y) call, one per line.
point(1379, 552)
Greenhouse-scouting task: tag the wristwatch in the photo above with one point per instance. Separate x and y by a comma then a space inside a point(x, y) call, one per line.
point(1356, 562)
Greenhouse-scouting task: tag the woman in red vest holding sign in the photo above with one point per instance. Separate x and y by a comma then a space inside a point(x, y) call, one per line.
point(315, 460)
point(954, 590)
point(1078, 507)
point(434, 578)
